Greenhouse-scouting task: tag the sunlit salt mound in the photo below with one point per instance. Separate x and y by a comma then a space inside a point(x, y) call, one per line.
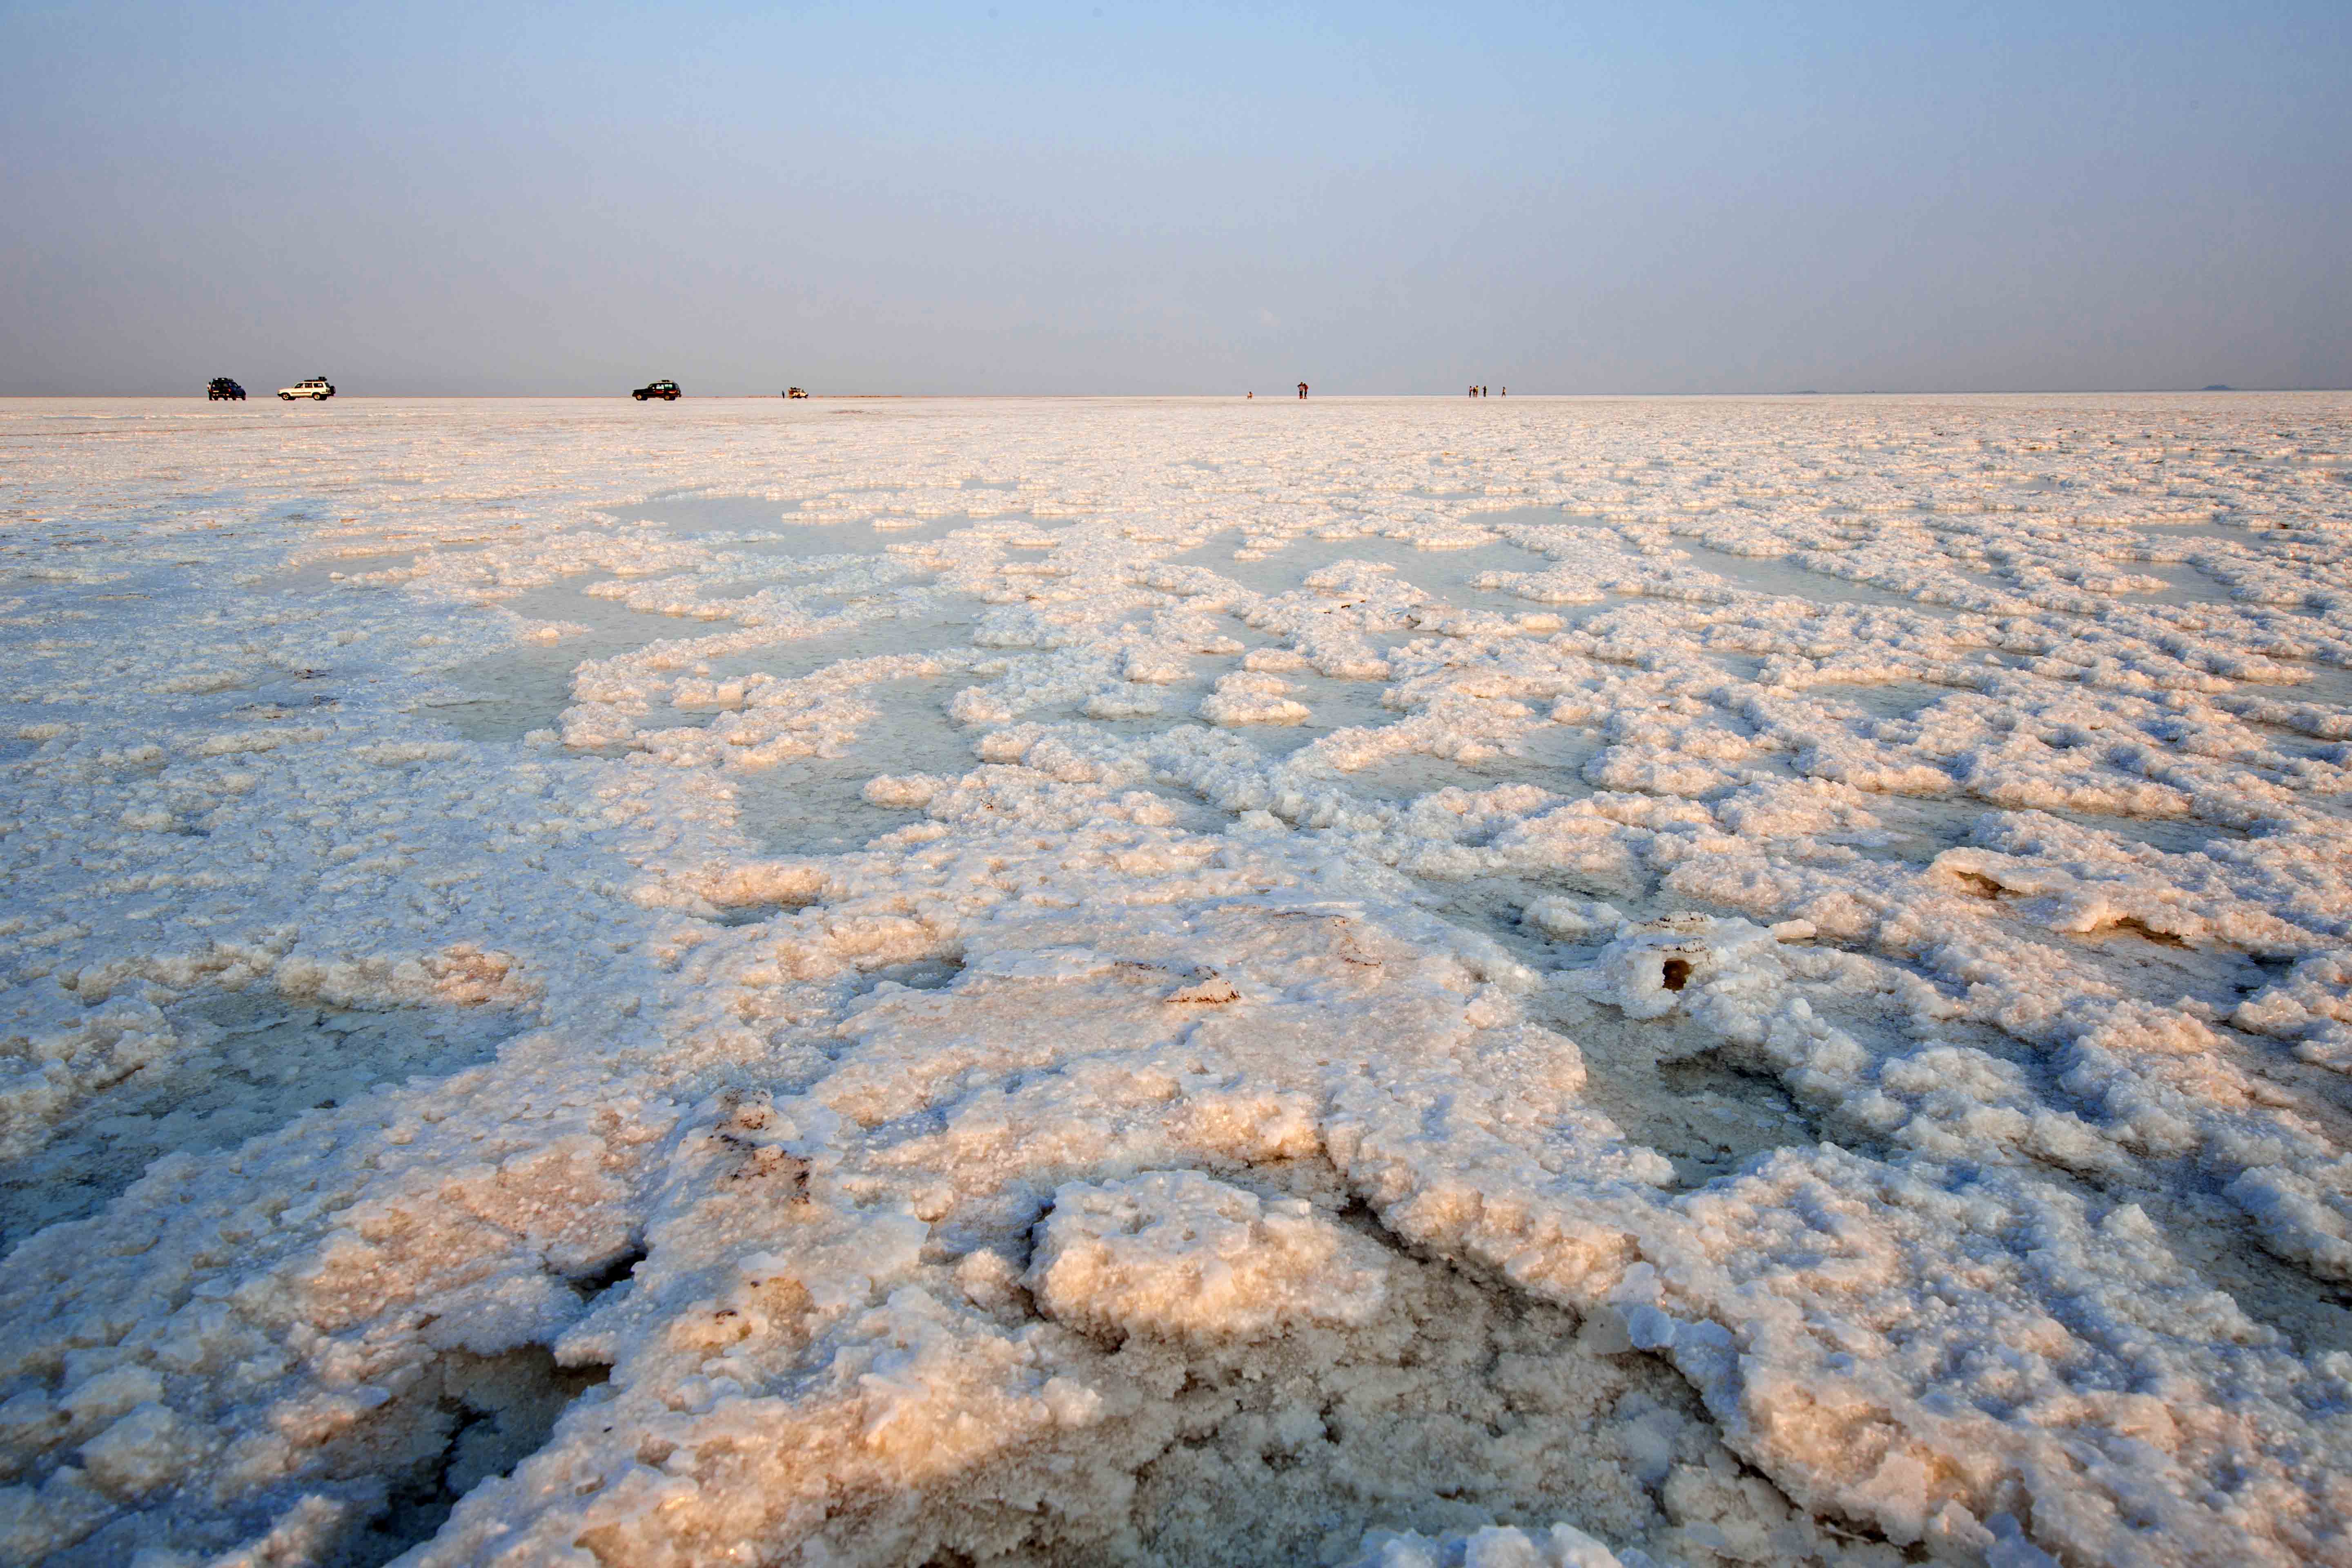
point(1176, 1255)
point(1189, 1371)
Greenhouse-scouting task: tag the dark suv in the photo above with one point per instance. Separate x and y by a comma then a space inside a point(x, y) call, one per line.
point(224, 389)
point(656, 389)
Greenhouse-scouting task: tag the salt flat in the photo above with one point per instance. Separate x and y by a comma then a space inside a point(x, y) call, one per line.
point(1177, 982)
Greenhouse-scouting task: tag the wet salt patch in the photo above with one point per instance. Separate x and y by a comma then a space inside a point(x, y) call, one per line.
point(1791, 581)
point(519, 691)
point(523, 690)
point(1887, 698)
point(1956, 822)
point(817, 806)
point(923, 974)
point(798, 658)
point(1923, 826)
point(2188, 585)
point(1446, 575)
point(568, 600)
point(1709, 1120)
point(1536, 516)
point(815, 540)
point(950, 628)
point(293, 697)
point(1331, 705)
point(1404, 779)
point(326, 576)
point(1552, 759)
point(2165, 972)
point(527, 687)
point(2323, 683)
point(345, 572)
point(1666, 1082)
point(247, 1065)
point(783, 528)
point(1998, 583)
point(2242, 537)
point(1271, 742)
point(1915, 829)
point(1739, 665)
point(2174, 836)
point(705, 513)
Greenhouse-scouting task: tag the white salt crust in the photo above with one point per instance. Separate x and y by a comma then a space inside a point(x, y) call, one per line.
point(1389, 983)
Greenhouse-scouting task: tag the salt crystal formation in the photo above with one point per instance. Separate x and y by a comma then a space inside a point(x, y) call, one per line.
point(1385, 983)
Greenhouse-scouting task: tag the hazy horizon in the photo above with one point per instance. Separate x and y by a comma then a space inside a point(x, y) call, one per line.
point(1277, 393)
point(1113, 201)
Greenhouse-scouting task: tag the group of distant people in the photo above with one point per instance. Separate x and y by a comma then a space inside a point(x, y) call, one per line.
point(1481, 392)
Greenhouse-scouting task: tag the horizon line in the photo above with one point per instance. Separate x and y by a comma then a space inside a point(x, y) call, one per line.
point(1283, 396)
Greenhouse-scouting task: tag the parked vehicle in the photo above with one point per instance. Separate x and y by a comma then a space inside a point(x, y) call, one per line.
point(664, 389)
point(223, 390)
point(795, 392)
point(317, 389)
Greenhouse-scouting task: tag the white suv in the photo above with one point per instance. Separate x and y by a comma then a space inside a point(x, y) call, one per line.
point(318, 388)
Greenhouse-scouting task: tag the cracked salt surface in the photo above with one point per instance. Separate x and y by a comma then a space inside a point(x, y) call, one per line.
point(1643, 982)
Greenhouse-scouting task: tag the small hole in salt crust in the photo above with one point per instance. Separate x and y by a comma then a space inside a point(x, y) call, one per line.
point(1677, 974)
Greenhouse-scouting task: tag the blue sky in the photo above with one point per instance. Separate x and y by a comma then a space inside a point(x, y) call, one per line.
point(437, 198)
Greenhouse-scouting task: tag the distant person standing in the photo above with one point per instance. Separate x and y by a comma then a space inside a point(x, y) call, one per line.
point(1302, 391)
